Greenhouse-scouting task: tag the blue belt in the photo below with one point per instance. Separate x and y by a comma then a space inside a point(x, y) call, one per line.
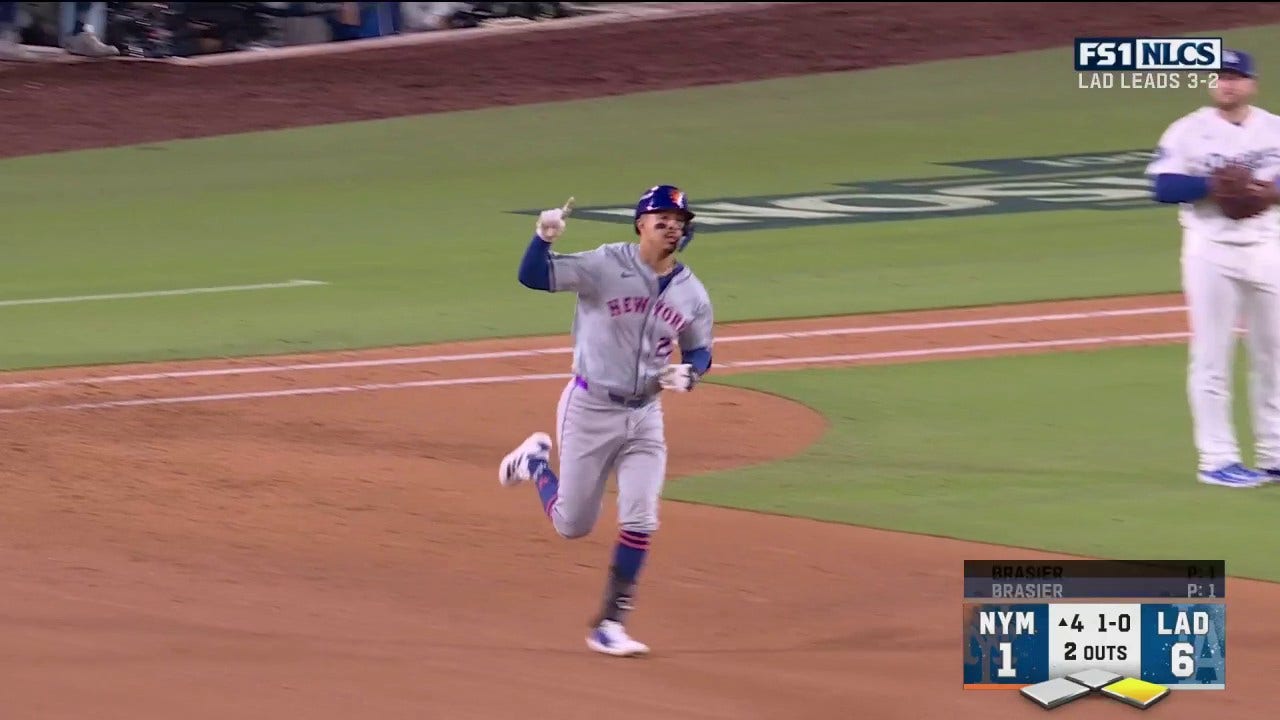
point(631, 401)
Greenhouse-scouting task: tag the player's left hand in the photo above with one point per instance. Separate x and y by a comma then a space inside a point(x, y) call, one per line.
point(680, 378)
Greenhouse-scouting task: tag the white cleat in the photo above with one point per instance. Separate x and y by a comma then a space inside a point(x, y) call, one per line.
point(515, 466)
point(87, 44)
point(610, 638)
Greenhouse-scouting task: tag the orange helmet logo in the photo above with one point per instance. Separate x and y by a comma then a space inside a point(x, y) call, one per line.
point(676, 196)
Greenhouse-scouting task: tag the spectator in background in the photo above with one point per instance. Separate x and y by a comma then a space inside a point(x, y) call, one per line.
point(10, 47)
point(420, 16)
point(217, 27)
point(80, 37)
point(188, 29)
point(141, 29)
point(359, 20)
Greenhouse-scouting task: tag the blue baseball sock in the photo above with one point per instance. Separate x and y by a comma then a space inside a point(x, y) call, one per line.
point(547, 483)
point(628, 558)
point(628, 554)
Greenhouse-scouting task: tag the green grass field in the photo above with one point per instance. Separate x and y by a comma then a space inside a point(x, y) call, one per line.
point(1082, 452)
point(422, 245)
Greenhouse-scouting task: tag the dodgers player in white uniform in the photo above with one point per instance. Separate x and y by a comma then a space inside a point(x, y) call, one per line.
point(1230, 271)
point(636, 304)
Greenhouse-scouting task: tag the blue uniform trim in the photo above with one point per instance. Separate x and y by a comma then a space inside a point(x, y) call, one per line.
point(535, 266)
point(699, 358)
point(665, 280)
point(1174, 188)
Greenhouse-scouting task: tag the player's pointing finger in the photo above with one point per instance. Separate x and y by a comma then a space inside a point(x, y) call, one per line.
point(568, 207)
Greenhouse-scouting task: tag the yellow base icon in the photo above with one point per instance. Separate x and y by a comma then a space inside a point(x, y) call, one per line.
point(1060, 691)
point(1138, 693)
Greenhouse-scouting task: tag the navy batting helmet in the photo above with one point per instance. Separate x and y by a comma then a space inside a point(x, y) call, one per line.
point(662, 198)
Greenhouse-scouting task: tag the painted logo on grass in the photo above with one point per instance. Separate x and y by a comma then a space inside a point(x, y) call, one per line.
point(1107, 181)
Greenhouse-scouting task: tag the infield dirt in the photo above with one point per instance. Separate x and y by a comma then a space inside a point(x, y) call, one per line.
point(263, 538)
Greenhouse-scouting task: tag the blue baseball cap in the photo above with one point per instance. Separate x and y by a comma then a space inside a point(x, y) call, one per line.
point(1238, 62)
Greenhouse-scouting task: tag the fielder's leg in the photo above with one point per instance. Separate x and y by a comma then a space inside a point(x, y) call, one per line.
point(1262, 318)
point(642, 468)
point(1213, 300)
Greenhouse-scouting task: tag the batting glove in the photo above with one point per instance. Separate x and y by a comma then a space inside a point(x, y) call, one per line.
point(550, 223)
point(680, 378)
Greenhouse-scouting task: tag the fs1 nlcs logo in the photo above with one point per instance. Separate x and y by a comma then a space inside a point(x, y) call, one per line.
point(1148, 54)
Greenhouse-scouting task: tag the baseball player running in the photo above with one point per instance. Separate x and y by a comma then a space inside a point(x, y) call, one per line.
point(636, 303)
point(1220, 164)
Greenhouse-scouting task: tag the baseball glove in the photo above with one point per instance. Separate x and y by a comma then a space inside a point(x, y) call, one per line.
point(1230, 188)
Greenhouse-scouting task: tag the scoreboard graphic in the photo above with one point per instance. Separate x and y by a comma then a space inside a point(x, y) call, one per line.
point(1128, 630)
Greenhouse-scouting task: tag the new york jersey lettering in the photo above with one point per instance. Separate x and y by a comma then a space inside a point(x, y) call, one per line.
point(624, 326)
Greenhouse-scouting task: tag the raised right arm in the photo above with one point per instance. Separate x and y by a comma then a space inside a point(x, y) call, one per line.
point(542, 269)
point(535, 266)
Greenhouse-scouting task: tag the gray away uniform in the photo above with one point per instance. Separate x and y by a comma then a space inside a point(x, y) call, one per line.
point(625, 328)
